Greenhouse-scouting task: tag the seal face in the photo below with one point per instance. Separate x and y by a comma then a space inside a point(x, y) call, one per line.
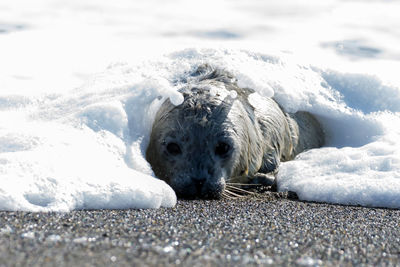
point(216, 136)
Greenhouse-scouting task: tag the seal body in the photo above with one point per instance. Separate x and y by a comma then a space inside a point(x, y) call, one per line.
point(222, 133)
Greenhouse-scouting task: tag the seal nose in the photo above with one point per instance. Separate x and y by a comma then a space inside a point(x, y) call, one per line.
point(198, 183)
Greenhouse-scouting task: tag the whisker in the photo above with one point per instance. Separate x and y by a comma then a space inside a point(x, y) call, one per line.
point(243, 184)
point(226, 196)
point(238, 189)
point(232, 193)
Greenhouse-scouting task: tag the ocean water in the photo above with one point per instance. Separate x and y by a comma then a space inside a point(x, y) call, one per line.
point(81, 81)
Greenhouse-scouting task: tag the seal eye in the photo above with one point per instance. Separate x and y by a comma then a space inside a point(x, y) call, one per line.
point(174, 149)
point(222, 149)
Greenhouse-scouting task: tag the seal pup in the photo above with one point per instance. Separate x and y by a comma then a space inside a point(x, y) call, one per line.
point(221, 134)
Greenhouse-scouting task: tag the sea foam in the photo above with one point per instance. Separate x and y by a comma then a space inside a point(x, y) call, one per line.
point(84, 148)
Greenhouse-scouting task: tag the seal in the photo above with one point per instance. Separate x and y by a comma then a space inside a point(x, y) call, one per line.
point(224, 135)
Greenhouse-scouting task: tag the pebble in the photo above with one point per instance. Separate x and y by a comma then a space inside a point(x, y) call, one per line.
point(265, 229)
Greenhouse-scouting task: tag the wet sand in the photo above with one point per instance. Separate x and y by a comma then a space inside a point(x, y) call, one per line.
point(263, 229)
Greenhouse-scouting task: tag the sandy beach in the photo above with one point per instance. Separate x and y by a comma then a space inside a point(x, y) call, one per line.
point(267, 229)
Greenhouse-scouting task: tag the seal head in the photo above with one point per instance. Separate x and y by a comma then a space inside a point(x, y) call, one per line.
point(196, 146)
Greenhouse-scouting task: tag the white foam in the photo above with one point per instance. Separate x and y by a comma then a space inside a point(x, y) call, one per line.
point(82, 150)
point(67, 168)
point(78, 96)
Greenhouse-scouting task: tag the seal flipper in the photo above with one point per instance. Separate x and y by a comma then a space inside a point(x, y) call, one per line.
point(263, 179)
point(270, 163)
point(266, 175)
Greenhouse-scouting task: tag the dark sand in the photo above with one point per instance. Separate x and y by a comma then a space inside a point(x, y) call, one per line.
point(266, 229)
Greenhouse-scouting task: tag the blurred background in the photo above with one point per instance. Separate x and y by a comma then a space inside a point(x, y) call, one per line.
point(57, 43)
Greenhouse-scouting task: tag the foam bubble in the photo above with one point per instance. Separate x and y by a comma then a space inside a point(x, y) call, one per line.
point(85, 148)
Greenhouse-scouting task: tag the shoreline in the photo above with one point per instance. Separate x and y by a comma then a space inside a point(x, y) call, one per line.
point(264, 229)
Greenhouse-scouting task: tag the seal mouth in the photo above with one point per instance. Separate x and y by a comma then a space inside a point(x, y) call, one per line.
point(206, 196)
point(200, 190)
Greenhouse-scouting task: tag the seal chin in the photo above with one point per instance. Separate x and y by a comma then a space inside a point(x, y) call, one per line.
point(197, 190)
